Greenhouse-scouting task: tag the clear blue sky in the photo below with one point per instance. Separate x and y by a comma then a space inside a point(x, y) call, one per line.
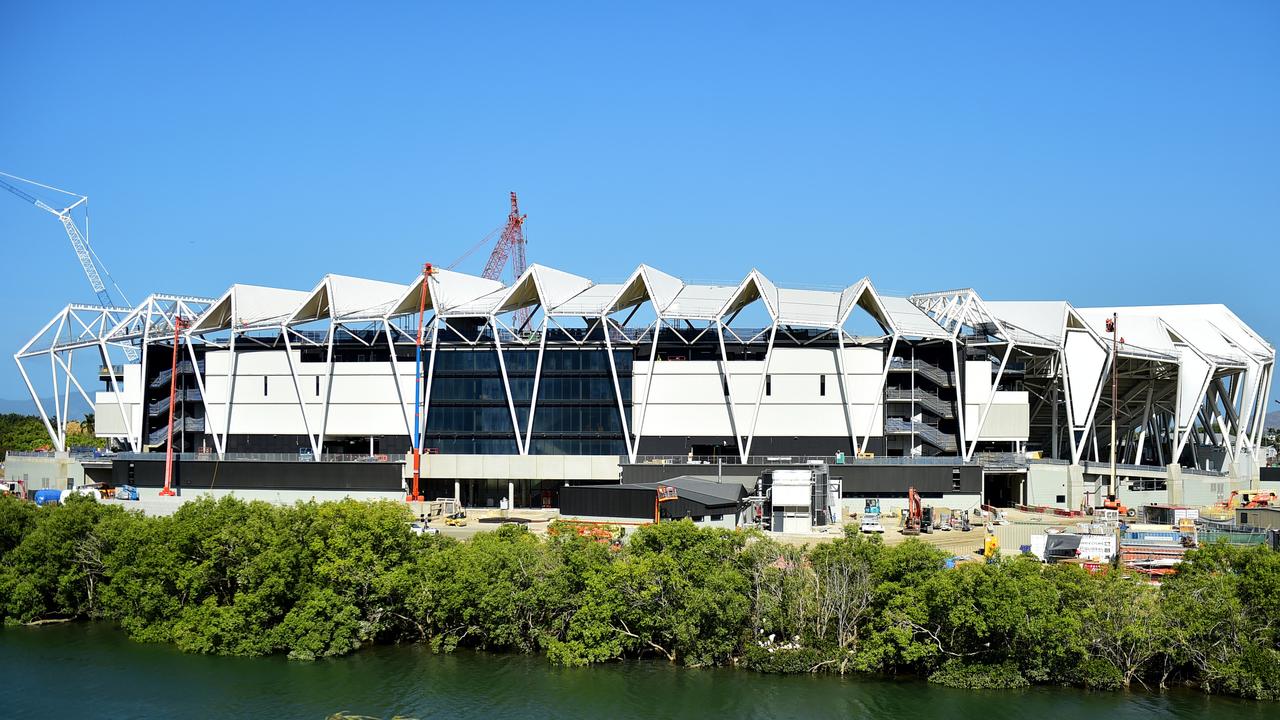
point(1105, 153)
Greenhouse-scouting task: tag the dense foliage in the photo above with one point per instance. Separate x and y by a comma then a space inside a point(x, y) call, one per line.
point(316, 580)
point(26, 432)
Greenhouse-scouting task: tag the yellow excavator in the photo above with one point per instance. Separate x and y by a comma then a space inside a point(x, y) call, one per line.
point(990, 546)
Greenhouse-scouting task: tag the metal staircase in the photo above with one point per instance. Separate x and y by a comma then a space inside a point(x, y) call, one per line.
point(161, 406)
point(184, 368)
point(940, 377)
point(157, 436)
point(924, 431)
point(924, 398)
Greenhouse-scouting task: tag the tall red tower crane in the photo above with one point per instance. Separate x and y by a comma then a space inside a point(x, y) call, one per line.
point(510, 245)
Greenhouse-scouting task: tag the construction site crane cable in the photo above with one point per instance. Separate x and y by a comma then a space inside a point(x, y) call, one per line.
point(488, 238)
point(94, 269)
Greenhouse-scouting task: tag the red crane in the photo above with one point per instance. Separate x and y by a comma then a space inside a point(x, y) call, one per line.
point(179, 324)
point(510, 245)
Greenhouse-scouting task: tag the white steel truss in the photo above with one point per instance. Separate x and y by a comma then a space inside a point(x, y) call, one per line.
point(1210, 385)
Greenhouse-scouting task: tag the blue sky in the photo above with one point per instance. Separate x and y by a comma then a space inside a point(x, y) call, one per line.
point(1105, 153)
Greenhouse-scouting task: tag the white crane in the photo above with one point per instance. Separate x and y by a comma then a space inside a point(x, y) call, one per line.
point(89, 259)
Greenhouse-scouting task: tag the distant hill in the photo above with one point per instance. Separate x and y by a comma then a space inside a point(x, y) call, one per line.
point(27, 407)
point(1273, 419)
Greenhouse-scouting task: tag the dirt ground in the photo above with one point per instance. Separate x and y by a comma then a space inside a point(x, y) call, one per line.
point(956, 541)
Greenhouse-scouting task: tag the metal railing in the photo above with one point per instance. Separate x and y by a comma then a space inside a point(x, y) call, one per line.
point(712, 461)
point(74, 454)
point(940, 377)
point(184, 367)
point(927, 432)
point(160, 434)
point(162, 405)
point(1204, 473)
point(1000, 460)
point(264, 457)
point(922, 397)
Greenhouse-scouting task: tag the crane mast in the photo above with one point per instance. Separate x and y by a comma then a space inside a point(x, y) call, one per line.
point(512, 245)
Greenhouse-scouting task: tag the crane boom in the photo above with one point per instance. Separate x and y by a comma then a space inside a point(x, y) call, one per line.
point(78, 243)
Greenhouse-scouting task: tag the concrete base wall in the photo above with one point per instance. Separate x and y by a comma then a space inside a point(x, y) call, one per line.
point(150, 502)
point(1047, 483)
point(38, 473)
point(441, 466)
point(1060, 486)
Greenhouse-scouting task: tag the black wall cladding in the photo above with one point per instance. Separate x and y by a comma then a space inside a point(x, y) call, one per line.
point(261, 475)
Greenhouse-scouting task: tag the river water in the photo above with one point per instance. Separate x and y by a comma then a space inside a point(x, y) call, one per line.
point(94, 671)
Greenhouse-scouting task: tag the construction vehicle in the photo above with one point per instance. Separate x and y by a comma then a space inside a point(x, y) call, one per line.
point(1222, 510)
point(990, 546)
point(665, 493)
point(458, 519)
point(1259, 500)
point(1111, 503)
point(914, 519)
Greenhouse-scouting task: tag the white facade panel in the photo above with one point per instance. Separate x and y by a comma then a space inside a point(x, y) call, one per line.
point(1086, 362)
point(977, 381)
point(1005, 421)
point(363, 400)
point(803, 396)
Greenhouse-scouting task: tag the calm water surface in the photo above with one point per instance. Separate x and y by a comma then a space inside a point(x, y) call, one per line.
point(94, 671)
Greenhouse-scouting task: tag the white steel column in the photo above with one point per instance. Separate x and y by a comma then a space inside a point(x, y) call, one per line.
point(764, 376)
point(648, 384)
point(1054, 433)
point(879, 403)
point(846, 400)
point(431, 374)
point(60, 441)
point(617, 387)
point(728, 398)
point(204, 397)
point(1260, 422)
point(142, 378)
point(66, 367)
point(537, 380)
point(1065, 382)
point(297, 389)
point(328, 393)
point(506, 385)
point(395, 378)
point(1146, 420)
point(958, 384)
point(66, 394)
point(44, 417)
point(986, 409)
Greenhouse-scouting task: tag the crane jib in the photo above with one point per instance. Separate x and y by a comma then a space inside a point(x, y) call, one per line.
point(78, 243)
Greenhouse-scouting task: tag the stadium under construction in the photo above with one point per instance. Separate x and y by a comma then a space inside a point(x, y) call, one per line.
point(553, 379)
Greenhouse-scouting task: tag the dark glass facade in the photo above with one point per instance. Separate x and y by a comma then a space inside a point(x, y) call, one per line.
point(576, 412)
